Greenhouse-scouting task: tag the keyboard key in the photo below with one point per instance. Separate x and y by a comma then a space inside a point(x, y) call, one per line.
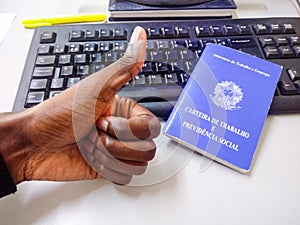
point(193, 44)
point(230, 30)
point(35, 97)
point(151, 45)
point(216, 30)
point(183, 78)
point(286, 52)
point(119, 46)
point(37, 84)
point(295, 40)
point(89, 47)
point(95, 57)
point(104, 46)
point(44, 49)
point(155, 80)
point(288, 28)
point(48, 37)
point(287, 87)
point(201, 31)
point(297, 84)
point(170, 79)
point(54, 93)
point(74, 48)
point(72, 81)
point(57, 83)
point(168, 32)
point(208, 40)
point(163, 45)
point(139, 81)
point(187, 54)
point(177, 67)
point(182, 32)
point(120, 34)
point(179, 44)
point(80, 58)
point(198, 52)
point(45, 60)
point(266, 41)
point(271, 53)
point(279, 41)
point(66, 70)
point(172, 55)
point(262, 29)
point(161, 67)
point(276, 28)
point(244, 29)
point(189, 66)
point(43, 71)
point(147, 68)
point(91, 35)
point(110, 57)
point(157, 56)
point(105, 34)
point(64, 59)
point(83, 70)
point(223, 41)
point(296, 50)
point(56, 72)
point(76, 35)
point(59, 48)
point(242, 42)
point(294, 74)
point(153, 32)
point(94, 67)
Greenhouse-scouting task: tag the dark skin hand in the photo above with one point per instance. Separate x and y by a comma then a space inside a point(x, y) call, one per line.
point(86, 132)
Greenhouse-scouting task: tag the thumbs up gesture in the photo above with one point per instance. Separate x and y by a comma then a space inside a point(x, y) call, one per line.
point(88, 131)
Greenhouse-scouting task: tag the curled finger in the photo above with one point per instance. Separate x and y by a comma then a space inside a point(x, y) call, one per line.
point(112, 175)
point(140, 151)
point(121, 166)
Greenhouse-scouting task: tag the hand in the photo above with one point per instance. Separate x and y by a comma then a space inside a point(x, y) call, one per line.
point(88, 131)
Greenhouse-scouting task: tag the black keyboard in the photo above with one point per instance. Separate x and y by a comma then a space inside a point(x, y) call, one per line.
point(60, 56)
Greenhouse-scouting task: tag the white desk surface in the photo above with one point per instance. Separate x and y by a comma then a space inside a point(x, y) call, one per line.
point(185, 194)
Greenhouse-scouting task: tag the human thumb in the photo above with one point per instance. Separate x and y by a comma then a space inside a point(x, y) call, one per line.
point(126, 68)
point(115, 76)
point(94, 94)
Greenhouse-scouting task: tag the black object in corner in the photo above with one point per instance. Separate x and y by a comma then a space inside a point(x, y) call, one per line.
point(7, 186)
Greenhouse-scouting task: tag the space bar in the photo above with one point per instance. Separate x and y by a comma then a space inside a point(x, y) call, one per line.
point(159, 100)
point(146, 94)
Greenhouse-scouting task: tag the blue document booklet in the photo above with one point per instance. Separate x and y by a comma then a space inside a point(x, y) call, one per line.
point(223, 107)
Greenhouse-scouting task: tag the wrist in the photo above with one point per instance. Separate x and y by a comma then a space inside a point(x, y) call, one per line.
point(14, 143)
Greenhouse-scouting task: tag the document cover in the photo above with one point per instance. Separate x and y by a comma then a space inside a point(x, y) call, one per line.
point(223, 107)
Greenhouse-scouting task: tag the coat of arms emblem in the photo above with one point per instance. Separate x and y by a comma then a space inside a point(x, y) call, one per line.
point(227, 95)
